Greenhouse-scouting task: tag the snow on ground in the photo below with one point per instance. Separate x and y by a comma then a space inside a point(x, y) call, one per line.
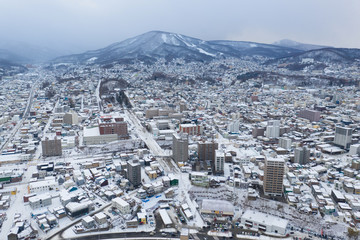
point(309, 222)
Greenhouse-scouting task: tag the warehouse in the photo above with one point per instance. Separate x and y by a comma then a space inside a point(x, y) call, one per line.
point(165, 218)
point(217, 207)
point(264, 222)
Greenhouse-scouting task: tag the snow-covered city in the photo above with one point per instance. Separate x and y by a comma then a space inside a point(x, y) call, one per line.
point(216, 126)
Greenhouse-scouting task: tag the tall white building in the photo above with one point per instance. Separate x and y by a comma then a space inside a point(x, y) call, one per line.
point(302, 155)
point(233, 126)
point(343, 137)
point(273, 129)
point(71, 118)
point(121, 205)
point(219, 162)
point(285, 143)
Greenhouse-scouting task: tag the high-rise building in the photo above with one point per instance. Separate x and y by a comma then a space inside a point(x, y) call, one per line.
point(51, 147)
point(302, 155)
point(219, 162)
point(343, 137)
point(354, 149)
point(273, 129)
point(258, 131)
point(206, 151)
point(182, 107)
point(285, 143)
point(180, 147)
point(71, 118)
point(273, 176)
point(311, 115)
point(234, 126)
point(134, 172)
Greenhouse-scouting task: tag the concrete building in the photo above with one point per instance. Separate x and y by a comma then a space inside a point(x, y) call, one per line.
point(91, 136)
point(121, 205)
point(113, 125)
point(273, 129)
point(311, 115)
point(100, 218)
point(75, 209)
point(219, 162)
point(134, 172)
point(180, 149)
point(273, 176)
point(42, 186)
point(354, 149)
point(182, 107)
point(191, 129)
point(88, 222)
point(217, 207)
point(343, 137)
point(206, 151)
point(264, 222)
point(151, 113)
point(258, 131)
point(165, 218)
point(302, 155)
point(51, 147)
point(199, 179)
point(233, 126)
point(40, 201)
point(71, 118)
point(285, 143)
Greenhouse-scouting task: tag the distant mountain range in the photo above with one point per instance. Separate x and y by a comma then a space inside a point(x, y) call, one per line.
point(300, 46)
point(151, 46)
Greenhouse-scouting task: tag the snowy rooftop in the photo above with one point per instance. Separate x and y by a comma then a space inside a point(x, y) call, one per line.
point(260, 217)
point(217, 205)
point(91, 132)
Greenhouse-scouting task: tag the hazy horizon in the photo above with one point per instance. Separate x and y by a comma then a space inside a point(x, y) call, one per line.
point(77, 26)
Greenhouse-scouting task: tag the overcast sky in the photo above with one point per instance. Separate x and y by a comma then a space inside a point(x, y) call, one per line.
point(90, 24)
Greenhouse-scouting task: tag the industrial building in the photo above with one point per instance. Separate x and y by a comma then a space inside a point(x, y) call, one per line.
point(217, 207)
point(264, 222)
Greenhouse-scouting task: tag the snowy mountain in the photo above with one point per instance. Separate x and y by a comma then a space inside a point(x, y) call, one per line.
point(157, 44)
point(296, 45)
